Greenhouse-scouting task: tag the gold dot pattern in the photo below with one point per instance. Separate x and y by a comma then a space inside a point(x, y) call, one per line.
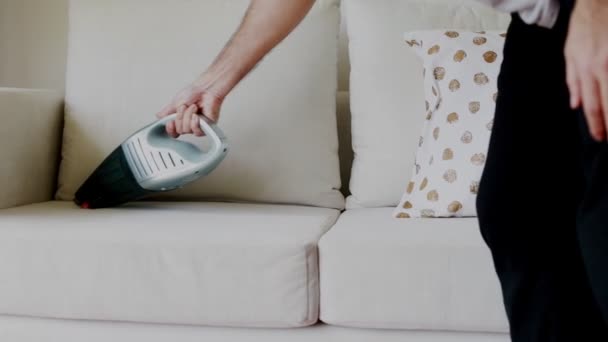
point(439, 73)
point(454, 85)
point(448, 154)
point(434, 49)
point(490, 56)
point(480, 40)
point(453, 117)
point(433, 196)
point(460, 97)
point(450, 176)
point(478, 159)
point(474, 188)
point(459, 56)
point(412, 43)
point(481, 79)
point(424, 183)
point(410, 187)
point(474, 107)
point(403, 215)
point(455, 207)
point(467, 137)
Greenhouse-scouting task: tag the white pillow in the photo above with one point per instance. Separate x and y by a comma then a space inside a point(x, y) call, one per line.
point(386, 96)
point(461, 69)
point(128, 58)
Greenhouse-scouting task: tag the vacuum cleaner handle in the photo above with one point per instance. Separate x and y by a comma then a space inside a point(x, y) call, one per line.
point(217, 148)
point(209, 127)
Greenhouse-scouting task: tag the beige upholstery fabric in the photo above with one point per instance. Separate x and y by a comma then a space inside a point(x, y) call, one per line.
point(187, 263)
point(430, 274)
point(29, 145)
point(16, 329)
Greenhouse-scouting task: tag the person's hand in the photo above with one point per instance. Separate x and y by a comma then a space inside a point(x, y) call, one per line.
point(192, 101)
point(587, 63)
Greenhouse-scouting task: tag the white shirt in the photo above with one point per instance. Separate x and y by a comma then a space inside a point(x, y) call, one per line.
point(541, 12)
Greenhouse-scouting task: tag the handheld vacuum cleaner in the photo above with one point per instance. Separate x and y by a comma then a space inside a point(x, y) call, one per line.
point(149, 162)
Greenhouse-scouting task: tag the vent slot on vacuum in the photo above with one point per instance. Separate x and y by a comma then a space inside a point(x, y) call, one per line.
point(167, 161)
point(163, 160)
point(172, 161)
point(139, 167)
point(154, 160)
point(143, 156)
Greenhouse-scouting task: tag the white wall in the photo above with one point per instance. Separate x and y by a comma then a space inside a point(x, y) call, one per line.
point(33, 40)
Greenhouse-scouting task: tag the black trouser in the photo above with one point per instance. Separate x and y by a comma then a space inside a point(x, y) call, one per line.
point(543, 200)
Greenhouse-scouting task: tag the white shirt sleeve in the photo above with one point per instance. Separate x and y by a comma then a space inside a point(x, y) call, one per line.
point(541, 12)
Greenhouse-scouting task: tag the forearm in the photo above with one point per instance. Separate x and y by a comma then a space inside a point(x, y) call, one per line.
point(265, 25)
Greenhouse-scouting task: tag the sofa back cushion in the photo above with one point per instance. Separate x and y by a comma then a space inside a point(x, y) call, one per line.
point(386, 87)
point(127, 58)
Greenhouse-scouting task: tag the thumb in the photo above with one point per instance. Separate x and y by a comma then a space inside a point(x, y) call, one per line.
point(166, 111)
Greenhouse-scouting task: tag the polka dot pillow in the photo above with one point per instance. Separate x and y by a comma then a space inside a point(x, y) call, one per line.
point(460, 72)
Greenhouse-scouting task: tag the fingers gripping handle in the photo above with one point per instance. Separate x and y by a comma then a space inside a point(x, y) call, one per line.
point(210, 128)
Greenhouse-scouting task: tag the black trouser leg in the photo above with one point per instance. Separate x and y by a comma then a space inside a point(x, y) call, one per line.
point(531, 188)
point(593, 216)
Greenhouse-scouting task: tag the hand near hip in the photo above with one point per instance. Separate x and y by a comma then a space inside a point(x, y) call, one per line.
point(587, 63)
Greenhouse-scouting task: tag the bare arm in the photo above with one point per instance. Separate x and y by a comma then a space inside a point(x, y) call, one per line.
point(265, 25)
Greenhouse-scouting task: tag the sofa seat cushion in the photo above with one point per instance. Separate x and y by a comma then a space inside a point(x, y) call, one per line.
point(381, 272)
point(184, 263)
point(24, 329)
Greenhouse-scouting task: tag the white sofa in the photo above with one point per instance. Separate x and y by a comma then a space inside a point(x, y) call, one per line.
point(250, 254)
